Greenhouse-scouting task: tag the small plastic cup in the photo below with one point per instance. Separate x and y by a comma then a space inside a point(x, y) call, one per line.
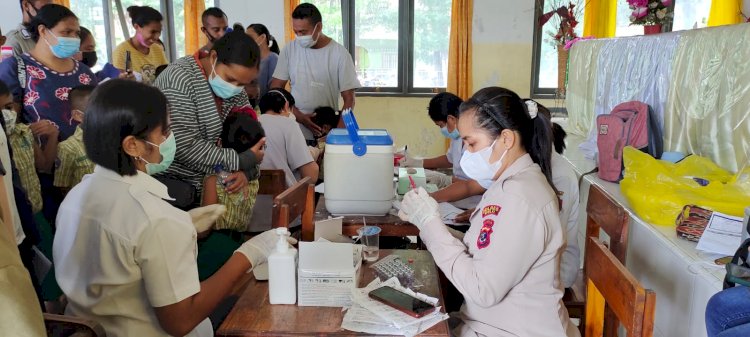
point(370, 237)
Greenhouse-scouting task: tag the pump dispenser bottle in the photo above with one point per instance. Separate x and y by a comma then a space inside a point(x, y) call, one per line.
point(282, 271)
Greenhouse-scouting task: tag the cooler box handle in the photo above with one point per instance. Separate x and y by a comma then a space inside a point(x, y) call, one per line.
point(358, 146)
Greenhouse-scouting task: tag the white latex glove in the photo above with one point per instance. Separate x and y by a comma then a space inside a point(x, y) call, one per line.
point(205, 217)
point(409, 161)
point(442, 180)
point(260, 246)
point(418, 207)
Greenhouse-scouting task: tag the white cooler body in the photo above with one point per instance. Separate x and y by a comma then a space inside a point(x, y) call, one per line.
point(358, 185)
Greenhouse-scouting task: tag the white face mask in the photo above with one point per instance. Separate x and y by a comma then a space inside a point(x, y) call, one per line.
point(306, 41)
point(477, 165)
point(10, 117)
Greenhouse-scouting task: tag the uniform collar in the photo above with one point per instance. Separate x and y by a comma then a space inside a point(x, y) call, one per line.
point(141, 179)
point(519, 165)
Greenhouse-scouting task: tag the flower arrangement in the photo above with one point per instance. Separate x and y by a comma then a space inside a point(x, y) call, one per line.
point(565, 19)
point(651, 12)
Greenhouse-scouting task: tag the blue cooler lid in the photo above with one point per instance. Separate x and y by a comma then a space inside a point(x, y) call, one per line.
point(358, 139)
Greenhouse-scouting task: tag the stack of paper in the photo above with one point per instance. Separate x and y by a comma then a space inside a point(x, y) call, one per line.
point(370, 316)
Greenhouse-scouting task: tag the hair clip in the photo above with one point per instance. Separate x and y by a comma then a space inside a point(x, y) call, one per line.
point(532, 108)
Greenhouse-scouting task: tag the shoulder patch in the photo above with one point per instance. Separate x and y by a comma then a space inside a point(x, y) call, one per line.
point(483, 241)
point(490, 210)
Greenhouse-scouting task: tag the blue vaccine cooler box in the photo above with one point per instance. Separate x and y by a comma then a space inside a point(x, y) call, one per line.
point(358, 170)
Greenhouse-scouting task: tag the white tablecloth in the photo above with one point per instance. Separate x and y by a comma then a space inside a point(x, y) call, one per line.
point(682, 277)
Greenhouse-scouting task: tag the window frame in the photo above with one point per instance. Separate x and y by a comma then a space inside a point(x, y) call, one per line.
point(405, 67)
point(536, 57)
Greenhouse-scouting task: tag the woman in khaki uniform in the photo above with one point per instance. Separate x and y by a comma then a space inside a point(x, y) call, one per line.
point(506, 267)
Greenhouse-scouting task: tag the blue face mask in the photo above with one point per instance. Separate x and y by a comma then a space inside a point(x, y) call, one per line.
point(452, 135)
point(66, 47)
point(167, 150)
point(221, 87)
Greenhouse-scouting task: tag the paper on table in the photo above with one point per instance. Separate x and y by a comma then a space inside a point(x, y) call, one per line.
point(722, 235)
point(448, 212)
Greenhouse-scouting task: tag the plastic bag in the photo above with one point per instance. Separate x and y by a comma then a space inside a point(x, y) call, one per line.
point(657, 190)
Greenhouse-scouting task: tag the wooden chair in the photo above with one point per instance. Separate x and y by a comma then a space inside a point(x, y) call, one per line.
point(605, 214)
point(609, 282)
point(296, 201)
point(271, 182)
point(70, 326)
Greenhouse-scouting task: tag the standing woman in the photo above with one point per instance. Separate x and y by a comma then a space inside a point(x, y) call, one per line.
point(269, 55)
point(146, 54)
point(506, 267)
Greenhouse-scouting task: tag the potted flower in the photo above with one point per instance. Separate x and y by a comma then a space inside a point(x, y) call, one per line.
point(564, 18)
point(652, 14)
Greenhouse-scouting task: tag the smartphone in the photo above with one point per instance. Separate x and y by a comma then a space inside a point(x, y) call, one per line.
point(402, 302)
point(128, 63)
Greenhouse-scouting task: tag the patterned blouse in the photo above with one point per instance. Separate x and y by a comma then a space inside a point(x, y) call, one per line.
point(239, 206)
point(22, 142)
point(45, 94)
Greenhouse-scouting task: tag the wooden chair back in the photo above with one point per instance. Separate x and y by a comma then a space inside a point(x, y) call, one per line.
point(271, 182)
point(296, 201)
point(71, 326)
point(609, 282)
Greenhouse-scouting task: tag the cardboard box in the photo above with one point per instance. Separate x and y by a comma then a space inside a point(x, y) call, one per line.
point(328, 272)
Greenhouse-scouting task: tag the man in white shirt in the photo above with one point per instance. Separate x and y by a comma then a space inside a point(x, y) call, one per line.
point(319, 68)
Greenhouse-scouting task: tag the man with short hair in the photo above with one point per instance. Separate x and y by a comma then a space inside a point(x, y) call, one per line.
point(215, 24)
point(20, 39)
point(319, 68)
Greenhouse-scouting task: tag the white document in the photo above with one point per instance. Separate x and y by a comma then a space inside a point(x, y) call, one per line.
point(723, 235)
point(329, 229)
point(448, 212)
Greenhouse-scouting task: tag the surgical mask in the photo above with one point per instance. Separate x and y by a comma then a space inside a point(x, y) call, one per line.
point(66, 47)
point(141, 40)
point(306, 41)
point(10, 119)
point(167, 150)
point(89, 58)
point(221, 87)
point(452, 135)
point(477, 165)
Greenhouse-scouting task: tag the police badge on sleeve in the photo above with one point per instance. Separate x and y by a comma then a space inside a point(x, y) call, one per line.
point(485, 234)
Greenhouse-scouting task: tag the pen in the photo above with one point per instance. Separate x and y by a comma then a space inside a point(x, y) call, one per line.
point(411, 183)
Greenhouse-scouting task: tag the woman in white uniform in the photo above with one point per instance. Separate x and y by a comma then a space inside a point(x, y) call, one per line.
point(507, 266)
point(124, 256)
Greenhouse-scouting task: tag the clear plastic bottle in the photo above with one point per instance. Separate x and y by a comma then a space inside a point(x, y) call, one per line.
point(222, 174)
point(282, 271)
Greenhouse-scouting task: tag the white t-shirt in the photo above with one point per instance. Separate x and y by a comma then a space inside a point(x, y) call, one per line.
point(8, 180)
point(285, 146)
point(455, 151)
point(317, 76)
point(120, 250)
point(566, 182)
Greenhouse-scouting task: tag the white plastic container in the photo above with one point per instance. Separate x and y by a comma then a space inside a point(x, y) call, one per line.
point(282, 271)
point(358, 170)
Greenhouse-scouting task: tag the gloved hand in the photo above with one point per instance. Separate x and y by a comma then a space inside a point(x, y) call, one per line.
point(442, 180)
point(205, 217)
point(418, 208)
point(409, 161)
point(260, 246)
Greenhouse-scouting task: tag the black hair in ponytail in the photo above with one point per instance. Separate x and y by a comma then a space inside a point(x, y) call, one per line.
point(497, 109)
point(143, 15)
point(261, 29)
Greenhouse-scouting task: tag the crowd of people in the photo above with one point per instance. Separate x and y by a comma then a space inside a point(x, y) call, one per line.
point(117, 176)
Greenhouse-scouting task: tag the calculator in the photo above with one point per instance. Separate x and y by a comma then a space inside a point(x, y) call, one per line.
point(394, 266)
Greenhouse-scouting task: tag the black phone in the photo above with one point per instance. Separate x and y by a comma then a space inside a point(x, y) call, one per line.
point(128, 63)
point(401, 301)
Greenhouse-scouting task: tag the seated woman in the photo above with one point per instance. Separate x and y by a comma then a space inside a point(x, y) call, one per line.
point(443, 110)
point(146, 52)
point(509, 279)
point(123, 256)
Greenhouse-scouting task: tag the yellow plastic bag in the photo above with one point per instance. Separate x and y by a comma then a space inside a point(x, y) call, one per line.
point(657, 190)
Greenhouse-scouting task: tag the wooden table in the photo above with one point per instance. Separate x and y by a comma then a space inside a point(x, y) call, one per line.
point(389, 224)
point(254, 316)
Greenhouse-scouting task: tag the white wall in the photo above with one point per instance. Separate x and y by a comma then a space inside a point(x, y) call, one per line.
point(10, 15)
point(269, 13)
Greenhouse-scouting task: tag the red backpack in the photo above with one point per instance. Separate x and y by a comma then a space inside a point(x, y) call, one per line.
point(629, 124)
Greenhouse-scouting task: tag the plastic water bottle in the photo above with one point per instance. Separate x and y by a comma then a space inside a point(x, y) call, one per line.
point(282, 271)
point(222, 174)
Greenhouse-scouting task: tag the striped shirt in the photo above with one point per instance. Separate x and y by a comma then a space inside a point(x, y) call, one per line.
point(196, 123)
point(72, 163)
point(239, 206)
point(22, 142)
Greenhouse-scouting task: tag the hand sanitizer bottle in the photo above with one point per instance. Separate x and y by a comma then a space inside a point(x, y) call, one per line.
point(282, 271)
